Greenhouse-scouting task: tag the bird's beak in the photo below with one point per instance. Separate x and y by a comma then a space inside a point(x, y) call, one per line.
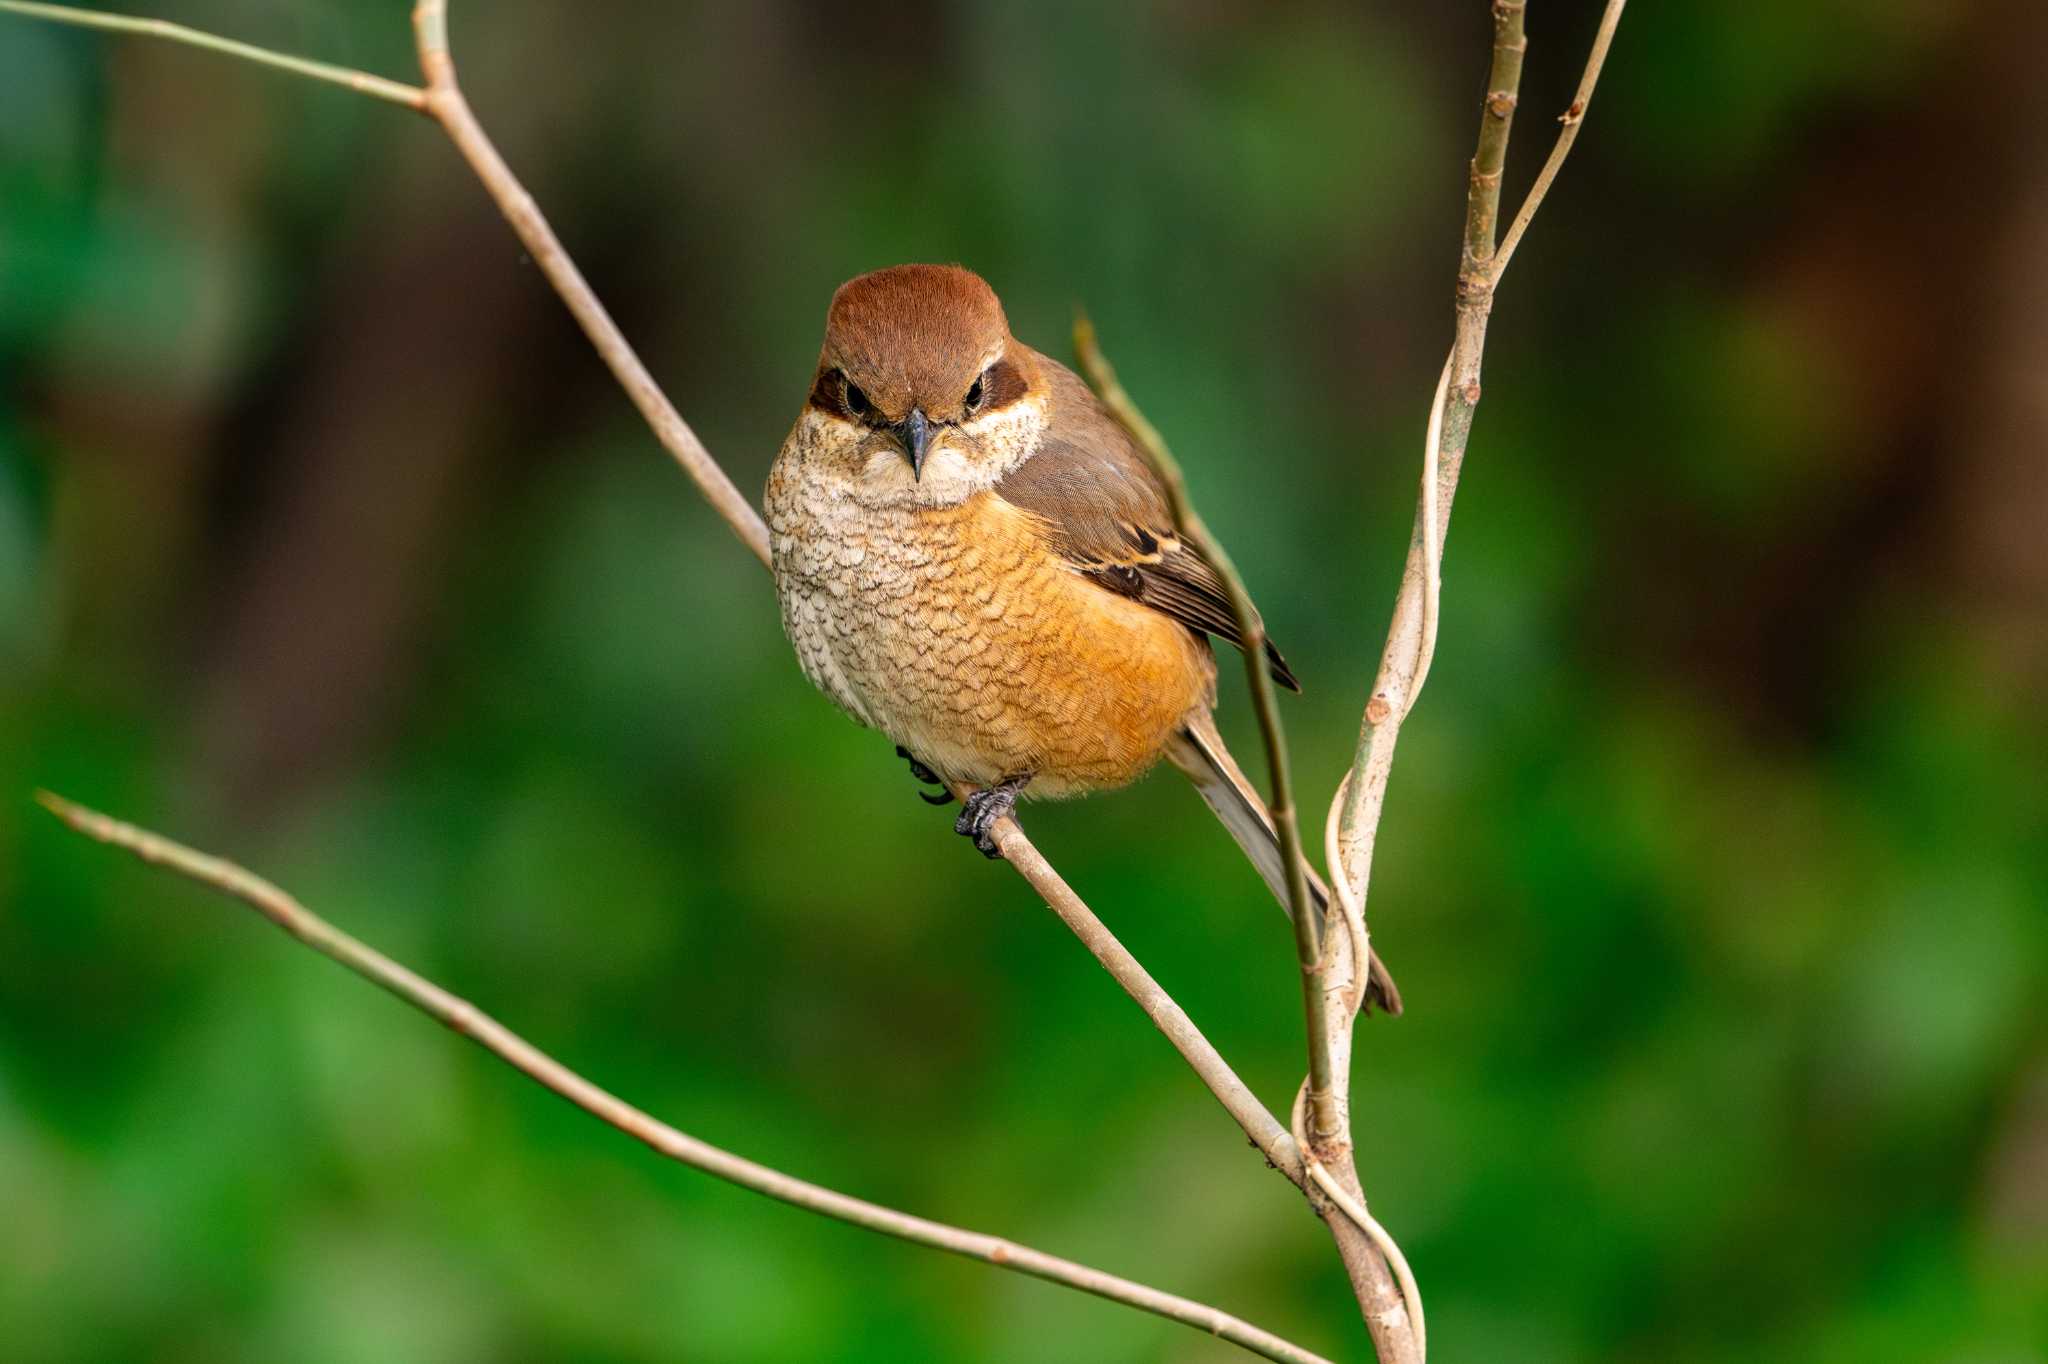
point(916, 434)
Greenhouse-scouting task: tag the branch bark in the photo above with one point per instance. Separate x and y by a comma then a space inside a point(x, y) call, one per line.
point(1317, 1154)
point(1356, 807)
point(442, 100)
point(446, 105)
point(467, 1020)
point(1385, 1289)
point(1251, 628)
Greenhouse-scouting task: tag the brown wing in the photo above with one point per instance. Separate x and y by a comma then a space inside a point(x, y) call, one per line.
point(1109, 516)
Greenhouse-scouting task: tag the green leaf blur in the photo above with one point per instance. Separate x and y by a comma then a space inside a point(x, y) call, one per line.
point(1716, 859)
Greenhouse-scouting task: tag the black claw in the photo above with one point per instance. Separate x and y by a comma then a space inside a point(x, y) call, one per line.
point(928, 777)
point(980, 811)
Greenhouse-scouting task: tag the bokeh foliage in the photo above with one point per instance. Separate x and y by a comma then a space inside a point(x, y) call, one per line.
point(1715, 862)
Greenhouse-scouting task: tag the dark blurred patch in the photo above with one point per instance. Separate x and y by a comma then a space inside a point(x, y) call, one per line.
point(1714, 868)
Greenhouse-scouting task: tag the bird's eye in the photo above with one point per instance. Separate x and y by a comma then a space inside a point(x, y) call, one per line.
point(856, 401)
point(975, 393)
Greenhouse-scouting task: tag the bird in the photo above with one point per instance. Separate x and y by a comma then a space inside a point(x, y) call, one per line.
point(972, 555)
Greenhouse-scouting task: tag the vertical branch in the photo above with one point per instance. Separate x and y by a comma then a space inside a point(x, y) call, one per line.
point(1411, 637)
point(1503, 86)
point(1318, 1155)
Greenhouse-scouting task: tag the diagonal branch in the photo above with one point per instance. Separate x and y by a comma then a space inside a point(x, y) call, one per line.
point(466, 1019)
point(1267, 1135)
point(442, 100)
point(1251, 628)
point(1571, 118)
point(447, 107)
point(1322, 1136)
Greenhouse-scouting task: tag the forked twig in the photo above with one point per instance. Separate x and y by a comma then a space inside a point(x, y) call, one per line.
point(1322, 1131)
point(443, 101)
point(1351, 827)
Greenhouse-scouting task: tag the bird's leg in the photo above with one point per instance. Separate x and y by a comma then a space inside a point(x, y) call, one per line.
point(980, 811)
point(930, 778)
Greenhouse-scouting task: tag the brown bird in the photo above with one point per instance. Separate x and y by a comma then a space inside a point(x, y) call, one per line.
point(974, 558)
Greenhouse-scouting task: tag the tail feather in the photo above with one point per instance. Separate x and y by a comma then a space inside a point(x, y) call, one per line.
point(1198, 751)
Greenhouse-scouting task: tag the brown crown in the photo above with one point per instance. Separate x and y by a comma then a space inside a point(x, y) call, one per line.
point(913, 335)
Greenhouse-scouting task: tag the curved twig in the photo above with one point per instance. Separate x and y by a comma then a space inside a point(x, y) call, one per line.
point(362, 82)
point(442, 100)
point(1329, 1135)
point(464, 1018)
point(1571, 118)
point(1251, 629)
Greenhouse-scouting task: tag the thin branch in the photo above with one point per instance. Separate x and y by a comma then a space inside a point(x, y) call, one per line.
point(447, 106)
point(443, 101)
point(1385, 1289)
point(1265, 1131)
point(362, 82)
point(1411, 637)
point(1353, 1208)
point(1489, 161)
point(1356, 807)
point(1308, 935)
point(465, 1019)
point(1571, 118)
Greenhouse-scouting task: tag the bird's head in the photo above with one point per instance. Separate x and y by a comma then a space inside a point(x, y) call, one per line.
point(920, 387)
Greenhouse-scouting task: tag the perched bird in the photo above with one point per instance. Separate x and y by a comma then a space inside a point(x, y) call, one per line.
point(974, 558)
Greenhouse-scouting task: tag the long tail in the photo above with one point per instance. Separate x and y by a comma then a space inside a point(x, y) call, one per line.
point(1199, 752)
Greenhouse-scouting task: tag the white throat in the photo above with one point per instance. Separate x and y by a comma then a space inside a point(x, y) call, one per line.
point(961, 462)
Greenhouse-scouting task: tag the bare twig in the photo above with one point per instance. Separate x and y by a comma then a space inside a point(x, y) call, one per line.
point(1411, 638)
point(447, 105)
point(1571, 118)
point(362, 82)
point(448, 108)
point(1251, 628)
point(443, 101)
point(1355, 809)
point(466, 1019)
point(1265, 1131)
point(1389, 1304)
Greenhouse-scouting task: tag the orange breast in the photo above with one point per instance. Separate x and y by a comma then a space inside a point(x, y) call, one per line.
point(963, 636)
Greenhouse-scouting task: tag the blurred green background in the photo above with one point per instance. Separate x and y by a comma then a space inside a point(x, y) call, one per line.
point(1715, 862)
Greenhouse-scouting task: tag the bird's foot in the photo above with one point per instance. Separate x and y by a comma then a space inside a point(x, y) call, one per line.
point(980, 811)
point(930, 778)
